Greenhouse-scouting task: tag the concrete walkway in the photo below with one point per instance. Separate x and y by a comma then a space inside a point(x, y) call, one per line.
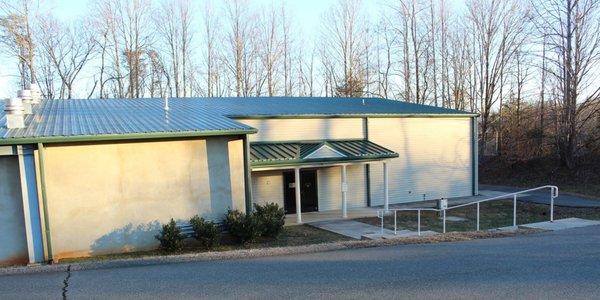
point(358, 230)
point(350, 228)
point(562, 224)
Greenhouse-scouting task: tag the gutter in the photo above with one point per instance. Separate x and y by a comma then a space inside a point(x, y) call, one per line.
point(42, 158)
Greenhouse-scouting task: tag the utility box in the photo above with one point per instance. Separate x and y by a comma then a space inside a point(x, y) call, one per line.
point(442, 203)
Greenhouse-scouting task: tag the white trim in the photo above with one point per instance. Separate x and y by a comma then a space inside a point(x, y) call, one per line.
point(314, 154)
point(320, 165)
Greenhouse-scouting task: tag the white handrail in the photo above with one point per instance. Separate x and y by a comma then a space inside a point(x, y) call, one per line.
point(553, 194)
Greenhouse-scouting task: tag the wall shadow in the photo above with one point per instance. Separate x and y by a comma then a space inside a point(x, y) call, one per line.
point(127, 238)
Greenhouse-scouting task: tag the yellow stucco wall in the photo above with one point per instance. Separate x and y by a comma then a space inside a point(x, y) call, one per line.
point(305, 129)
point(13, 243)
point(112, 197)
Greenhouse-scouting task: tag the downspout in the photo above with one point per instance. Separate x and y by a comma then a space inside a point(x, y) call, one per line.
point(475, 154)
point(367, 166)
point(247, 174)
point(45, 200)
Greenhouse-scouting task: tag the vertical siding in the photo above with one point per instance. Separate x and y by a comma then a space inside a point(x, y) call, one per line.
point(435, 158)
point(267, 187)
point(330, 187)
point(305, 129)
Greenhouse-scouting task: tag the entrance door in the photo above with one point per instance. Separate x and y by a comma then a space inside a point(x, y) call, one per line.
point(308, 191)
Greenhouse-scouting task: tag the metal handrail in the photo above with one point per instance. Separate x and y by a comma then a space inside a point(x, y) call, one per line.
point(553, 194)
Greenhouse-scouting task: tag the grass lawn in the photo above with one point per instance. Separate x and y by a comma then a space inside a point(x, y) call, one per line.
point(290, 236)
point(493, 214)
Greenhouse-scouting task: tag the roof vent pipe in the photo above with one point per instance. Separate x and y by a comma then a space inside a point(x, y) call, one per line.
point(36, 93)
point(14, 113)
point(166, 102)
point(25, 96)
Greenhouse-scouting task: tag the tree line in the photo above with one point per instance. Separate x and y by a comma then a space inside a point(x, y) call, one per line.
point(528, 68)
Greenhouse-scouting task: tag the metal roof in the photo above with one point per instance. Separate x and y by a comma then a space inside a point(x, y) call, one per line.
point(110, 119)
point(81, 120)
point(264, 154)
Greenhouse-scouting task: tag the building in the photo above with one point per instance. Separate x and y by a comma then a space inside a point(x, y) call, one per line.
point(89, 177)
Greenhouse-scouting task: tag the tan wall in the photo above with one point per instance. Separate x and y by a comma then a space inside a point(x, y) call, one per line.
point(267, 187)
point(305, 129)
point(13, 242)
point(434, 158)
point(106, 198)
point(330, 187)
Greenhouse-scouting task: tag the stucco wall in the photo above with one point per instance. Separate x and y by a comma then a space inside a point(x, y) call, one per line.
point(305, 129)
point(435, 158)
point(105, 198)
point(13, 241)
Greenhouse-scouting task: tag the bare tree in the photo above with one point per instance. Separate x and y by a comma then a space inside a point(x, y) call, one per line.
point(68, 50)
point(17, 36)
point(498, 31)
point(345, 28)
point(572, 32)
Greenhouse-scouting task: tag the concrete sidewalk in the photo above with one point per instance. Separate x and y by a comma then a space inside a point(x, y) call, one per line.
point(562, 224)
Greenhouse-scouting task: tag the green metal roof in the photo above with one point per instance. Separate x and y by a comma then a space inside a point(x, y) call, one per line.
point(113, 119)
point(297, 153)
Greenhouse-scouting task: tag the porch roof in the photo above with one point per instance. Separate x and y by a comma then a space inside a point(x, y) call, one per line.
point(279, 154)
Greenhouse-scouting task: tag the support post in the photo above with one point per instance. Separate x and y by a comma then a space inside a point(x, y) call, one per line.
point(551, 205)
point(515, 211)
point(418, 221)
point(298, 200)
point(395, 222)
point(386, 193)
point(477, 216)
point(33, 229)
point(344, 192)
point(444, 221)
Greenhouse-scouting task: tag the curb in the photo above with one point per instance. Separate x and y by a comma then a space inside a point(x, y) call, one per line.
point(256, 253)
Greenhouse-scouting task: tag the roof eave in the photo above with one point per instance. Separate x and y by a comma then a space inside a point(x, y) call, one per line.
point(126, 136)
point(321, 161)
point(312, 116)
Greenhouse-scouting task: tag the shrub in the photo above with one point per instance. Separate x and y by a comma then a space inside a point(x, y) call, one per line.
point(271, 218)
point(206, 232)
point(243, 227)
point(170, 237)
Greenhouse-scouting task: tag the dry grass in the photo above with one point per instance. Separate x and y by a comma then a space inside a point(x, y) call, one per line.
point(492, 215)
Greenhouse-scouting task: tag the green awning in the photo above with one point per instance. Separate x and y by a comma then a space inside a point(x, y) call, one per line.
point(279, 154)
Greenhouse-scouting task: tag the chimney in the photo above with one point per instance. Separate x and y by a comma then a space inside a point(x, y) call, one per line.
point(166, 103)
point(25, 96)
point(36, 93)
point(14, 113)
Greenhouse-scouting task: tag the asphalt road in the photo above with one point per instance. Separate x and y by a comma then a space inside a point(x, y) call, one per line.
point(543, 196)
point(561, 264)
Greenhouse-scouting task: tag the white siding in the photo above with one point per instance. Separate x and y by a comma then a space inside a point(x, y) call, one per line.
point(330, 187)
point(435, 158)
point(305, 129)
point(267, 187)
